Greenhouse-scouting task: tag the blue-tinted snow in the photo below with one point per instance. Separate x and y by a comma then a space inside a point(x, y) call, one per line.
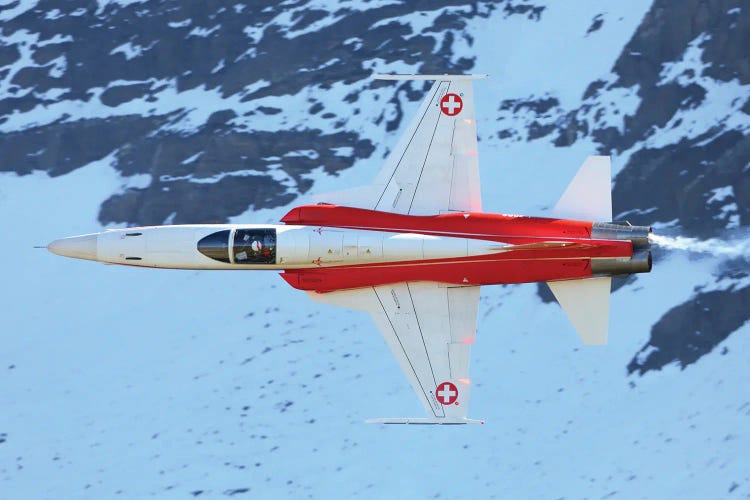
point(129, 50)
point(17, 8)
point(145, 382)
point(721, 105)
point(137, 381)
point(554, 53)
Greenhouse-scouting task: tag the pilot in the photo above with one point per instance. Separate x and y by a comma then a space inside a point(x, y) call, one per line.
point(257, 247)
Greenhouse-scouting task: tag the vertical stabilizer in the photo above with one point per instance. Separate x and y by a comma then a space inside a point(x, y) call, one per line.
point(589, 195)
point(586, 302)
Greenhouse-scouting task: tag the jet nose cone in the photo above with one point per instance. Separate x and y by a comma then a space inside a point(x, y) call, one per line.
point(78, 247)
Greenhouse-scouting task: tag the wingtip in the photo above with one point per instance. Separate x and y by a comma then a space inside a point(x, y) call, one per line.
point(423, 421)
point(396, 76)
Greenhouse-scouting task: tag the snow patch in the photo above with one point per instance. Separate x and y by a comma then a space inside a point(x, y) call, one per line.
point(195, 106)
point(336, 10)
point(613, 107)
point(643, 355)
point(180, 24)
point(254, 33)
point(720, 109)
point(537, 56)
point(287, 24)
point(321, 66)
point(218, 67)
point(137, 181)
point(307, 153)
point(691, 62)
point(170, 219)
point(122, 3)
point(541, 392)
point(192, 158)
point(344, 151)
point(57, 39)
point(214, 178)
point(203, 32)
point(355, 42)
point(19, 8)
point(379, 65)
point(24, 41)
point(53, 14)
point(420, 21)
point(731, 213)
point(130, 50)
point(720, 194)
point(59, 65)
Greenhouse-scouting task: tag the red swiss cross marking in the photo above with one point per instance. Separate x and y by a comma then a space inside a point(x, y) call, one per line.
point(447, 393)
point(451, 104)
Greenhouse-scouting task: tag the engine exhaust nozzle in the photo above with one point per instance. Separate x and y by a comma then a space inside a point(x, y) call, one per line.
point(641, 262)
point(622, 231)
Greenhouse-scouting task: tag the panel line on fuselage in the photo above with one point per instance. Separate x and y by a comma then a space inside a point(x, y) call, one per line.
point(454, 234)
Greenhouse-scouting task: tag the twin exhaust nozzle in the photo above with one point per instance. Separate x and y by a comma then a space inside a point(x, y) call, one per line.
point(640, 262)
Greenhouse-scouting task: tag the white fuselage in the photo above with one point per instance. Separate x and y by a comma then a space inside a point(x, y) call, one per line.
point(294, 247)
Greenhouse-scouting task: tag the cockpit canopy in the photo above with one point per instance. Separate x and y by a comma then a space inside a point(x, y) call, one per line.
point(241, 246)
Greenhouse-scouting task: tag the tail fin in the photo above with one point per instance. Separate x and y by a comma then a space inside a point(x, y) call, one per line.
point(589, 195)
point(586, 302)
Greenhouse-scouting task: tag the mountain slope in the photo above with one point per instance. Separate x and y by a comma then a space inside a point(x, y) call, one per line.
point(129, 382)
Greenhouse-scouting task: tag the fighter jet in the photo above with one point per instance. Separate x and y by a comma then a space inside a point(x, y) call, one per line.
point(414, 247)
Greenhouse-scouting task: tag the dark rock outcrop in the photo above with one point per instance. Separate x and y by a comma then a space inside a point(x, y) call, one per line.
point(676, 181)
point(693, 329)
point(112, 55)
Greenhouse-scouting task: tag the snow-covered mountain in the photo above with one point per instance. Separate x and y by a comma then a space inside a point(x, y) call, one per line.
point(134, 383)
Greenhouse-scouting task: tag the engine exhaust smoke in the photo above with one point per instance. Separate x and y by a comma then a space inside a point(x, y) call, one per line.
point(714, 246)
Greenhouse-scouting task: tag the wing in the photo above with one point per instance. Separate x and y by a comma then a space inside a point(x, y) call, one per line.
point(434, 168)
point(430, 328)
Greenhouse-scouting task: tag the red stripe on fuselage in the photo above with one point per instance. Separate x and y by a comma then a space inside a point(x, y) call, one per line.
point(533, 262)
point(512, 229)
point(457, 273)
point(512, 266)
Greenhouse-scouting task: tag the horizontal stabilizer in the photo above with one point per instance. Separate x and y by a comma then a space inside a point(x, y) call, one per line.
point(424, 421)
point(586, 303)
point(589, 195)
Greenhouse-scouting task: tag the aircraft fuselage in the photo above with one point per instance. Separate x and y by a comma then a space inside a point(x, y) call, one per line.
point(326, 247)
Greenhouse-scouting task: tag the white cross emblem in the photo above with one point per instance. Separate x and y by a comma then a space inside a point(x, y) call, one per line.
point(451, 104)
point(447, 393)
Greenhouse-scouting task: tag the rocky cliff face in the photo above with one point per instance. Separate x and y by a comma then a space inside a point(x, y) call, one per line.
point(701, 181)
point(193, 95)
point(687, 148)
point(681, 140)
point(209, 109)
point(120, 382)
